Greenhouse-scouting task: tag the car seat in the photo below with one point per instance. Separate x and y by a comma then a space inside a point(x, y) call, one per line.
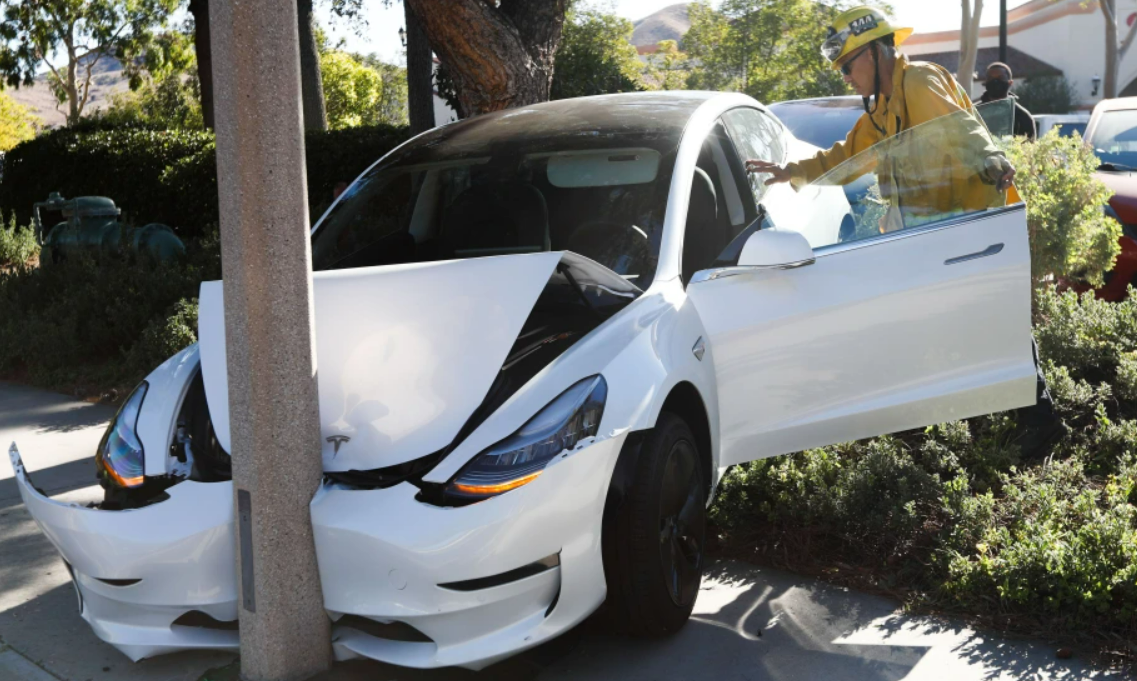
point(496, 218)
point(701, 235)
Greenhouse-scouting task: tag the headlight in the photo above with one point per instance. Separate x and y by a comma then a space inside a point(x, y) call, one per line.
point(120, 454)
point(521, 457)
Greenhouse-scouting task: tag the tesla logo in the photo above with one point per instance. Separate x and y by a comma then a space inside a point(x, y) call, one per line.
point(336, 441)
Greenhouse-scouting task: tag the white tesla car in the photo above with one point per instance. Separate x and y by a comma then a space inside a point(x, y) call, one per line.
point(542, 336)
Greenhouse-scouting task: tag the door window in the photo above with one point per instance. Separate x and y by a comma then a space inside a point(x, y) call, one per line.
point(757, 136)
point(927, 174)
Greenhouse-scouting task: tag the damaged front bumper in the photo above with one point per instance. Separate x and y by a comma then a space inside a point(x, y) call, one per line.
point(476, 583)
point(151, 580)
point(406, 582)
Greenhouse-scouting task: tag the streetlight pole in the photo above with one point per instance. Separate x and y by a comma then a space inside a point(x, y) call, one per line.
point(270, 350)
point(1003, 31)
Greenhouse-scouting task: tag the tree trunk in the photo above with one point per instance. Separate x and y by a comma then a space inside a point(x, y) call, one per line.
point(420, 70)
point(200, 11)
point(311, 83)
point(1109, 10)
point(499, 57)
point(969, 43)
point(72, 92)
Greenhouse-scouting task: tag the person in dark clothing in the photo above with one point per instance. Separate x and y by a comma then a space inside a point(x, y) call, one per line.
point(997, 87)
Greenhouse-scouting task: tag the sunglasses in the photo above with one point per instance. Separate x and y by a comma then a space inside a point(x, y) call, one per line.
point(847, 67)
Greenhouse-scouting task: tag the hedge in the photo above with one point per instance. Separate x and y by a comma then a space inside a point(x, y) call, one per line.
point(167, 176)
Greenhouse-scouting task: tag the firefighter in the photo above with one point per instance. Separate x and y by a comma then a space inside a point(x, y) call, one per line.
point(965, 172)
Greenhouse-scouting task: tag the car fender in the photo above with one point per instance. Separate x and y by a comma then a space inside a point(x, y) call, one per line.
point(642, 352)
point(158, 417)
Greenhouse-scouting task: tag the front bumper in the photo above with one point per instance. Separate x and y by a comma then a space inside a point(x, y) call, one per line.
point(139, 571)
point(382, 555)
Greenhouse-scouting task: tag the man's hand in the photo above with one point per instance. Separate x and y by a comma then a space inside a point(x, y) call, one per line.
point(1000, 171)
point(778, 173)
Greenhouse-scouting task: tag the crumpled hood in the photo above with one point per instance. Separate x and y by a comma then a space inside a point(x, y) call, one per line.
point(405, 353)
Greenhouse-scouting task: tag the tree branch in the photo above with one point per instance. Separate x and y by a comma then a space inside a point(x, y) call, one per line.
point(1107, 9)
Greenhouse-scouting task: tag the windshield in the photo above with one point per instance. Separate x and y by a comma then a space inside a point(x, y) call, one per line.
point(1115, 138)
point(928, 173)
point(822, 123)
point(593, 180)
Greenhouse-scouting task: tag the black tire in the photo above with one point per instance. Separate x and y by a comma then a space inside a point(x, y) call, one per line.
point(654, 561)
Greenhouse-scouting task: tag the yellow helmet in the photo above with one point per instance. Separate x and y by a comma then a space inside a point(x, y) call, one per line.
point(855, 28)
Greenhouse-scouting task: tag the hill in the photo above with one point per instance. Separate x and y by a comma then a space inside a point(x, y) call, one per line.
point(669, 23)
point(106, 79)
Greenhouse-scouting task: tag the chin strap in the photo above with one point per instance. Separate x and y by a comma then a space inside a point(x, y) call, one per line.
point(876, 90)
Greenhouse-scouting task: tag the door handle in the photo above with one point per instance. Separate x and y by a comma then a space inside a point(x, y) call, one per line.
point(990, 250)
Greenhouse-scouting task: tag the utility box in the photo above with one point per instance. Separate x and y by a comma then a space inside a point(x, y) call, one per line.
point(92, 226)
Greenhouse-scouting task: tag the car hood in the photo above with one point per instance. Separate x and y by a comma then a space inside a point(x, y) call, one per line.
point(404, 353)
point(1124, 188)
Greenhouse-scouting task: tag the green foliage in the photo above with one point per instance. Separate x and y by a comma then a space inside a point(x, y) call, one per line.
point(167, 176)
point(956, 518)
point(17, 244)
point(768, 49)
point(1047, 95)
point(173, 103)
point(82, 33)
point(667, 68)
point(165, 336)
point(1070, 236)
point(393, 100)
point(125, 165)
point(1055, 541)
point(352, 91)
point(105, 321)
point(17, 123)
point(595, 56)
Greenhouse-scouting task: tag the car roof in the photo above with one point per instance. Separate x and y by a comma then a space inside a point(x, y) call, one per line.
point(654, 119)
point(838, 102)
point(1117, 104)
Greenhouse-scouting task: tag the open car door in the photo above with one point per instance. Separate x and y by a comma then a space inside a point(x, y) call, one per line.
point(914, 310)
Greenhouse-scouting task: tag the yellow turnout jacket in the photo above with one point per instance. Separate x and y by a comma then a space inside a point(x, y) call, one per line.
point(923, 174)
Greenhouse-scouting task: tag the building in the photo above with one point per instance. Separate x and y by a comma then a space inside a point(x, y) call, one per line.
point(1044, 37)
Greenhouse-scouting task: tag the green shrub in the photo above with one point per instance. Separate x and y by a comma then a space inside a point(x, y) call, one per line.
point(1070, 236)
point(17, 244)
point(167, 176)
point(1056, 541)
point(124, 165)
point(166, 335)
point(80, 320)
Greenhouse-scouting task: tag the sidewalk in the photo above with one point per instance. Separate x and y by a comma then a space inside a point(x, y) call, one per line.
point(749, 623)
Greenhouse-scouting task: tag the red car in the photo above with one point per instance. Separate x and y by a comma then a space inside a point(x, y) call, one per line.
point(1112, 132)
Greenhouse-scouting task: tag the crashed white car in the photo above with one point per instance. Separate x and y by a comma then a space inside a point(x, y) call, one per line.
point(542, 336)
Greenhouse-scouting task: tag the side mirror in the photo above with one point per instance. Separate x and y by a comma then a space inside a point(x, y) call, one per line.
point(776, 249)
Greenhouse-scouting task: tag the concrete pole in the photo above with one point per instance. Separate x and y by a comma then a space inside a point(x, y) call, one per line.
point(274, 415)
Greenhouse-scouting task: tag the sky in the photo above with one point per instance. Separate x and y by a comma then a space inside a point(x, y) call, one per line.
point(381, 34)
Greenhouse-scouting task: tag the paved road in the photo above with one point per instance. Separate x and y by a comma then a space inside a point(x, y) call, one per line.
point(749, 623)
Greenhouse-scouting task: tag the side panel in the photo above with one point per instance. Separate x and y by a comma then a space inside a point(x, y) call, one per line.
point(876, 337)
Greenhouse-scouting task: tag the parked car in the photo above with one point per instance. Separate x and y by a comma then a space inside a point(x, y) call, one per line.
point(542, 335)
point(1067, 124)
point(820, 121)
point(1112, 132)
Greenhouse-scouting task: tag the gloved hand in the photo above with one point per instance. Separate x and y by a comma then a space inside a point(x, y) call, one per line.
point(999, 171)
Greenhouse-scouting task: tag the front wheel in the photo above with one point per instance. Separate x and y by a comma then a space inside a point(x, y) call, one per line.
point(655, 559)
